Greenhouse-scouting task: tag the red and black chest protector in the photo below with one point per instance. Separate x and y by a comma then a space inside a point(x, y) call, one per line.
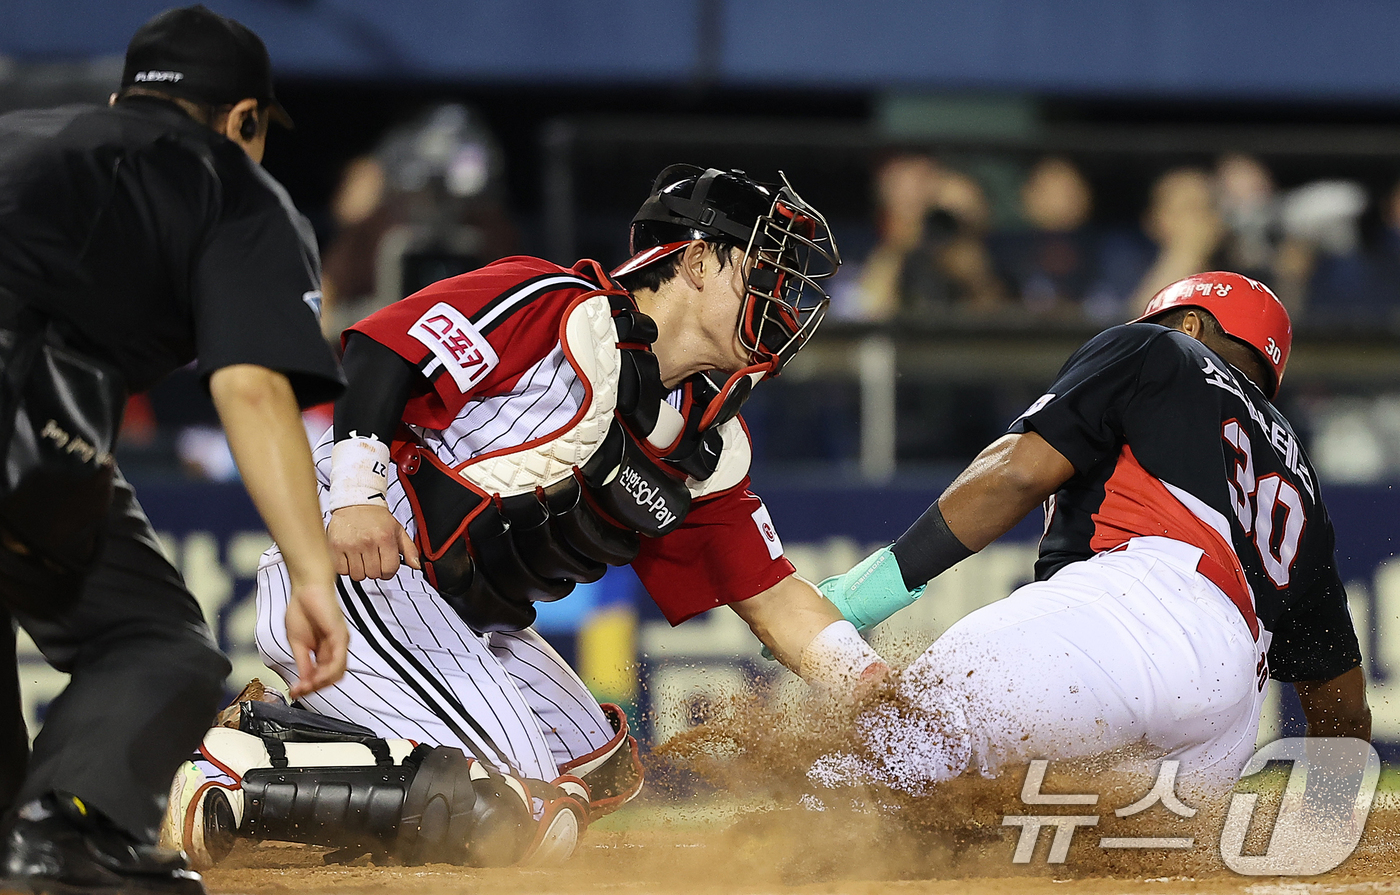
point(491, 557)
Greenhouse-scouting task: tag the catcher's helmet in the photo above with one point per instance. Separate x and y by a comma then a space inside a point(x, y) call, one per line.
point(1246, 309)
point(787, 248)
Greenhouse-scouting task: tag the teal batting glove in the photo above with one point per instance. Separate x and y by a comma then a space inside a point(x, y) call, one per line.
point(871, 591)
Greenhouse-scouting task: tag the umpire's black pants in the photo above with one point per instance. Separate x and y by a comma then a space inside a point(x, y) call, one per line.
point(146, 682)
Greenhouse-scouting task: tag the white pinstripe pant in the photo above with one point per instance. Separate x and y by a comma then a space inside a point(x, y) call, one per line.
point(417, 671)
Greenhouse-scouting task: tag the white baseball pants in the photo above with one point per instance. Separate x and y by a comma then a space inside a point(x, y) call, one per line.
point(416, 671)
point(1130, 648)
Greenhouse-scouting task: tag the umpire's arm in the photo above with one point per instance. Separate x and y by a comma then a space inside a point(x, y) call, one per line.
point(263, 423)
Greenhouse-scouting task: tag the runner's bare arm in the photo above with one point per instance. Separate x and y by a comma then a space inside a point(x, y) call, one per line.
point(1336, 708)
point(1011, 477)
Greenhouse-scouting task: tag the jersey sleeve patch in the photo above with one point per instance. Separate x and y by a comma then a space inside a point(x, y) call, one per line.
point(457, 346)
point(764, 523)
point(1037, 406)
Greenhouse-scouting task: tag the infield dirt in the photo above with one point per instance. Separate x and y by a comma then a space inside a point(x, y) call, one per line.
point(767, 852)
point(730, 809)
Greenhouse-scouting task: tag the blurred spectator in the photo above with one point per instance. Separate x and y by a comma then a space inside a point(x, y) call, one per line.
point(1249, 208)
point(1304, 243)
point(932, 255)
point(1324, 214)
point(360, 216)
point(904, 190)
point(1062, 265)
point(1181, 219)
point(949, 267)
point(428, 203)
point(1383, 294)
point(1320, 265)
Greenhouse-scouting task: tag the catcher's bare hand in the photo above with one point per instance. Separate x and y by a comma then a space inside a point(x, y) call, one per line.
point(317, 635)
point(368, 542)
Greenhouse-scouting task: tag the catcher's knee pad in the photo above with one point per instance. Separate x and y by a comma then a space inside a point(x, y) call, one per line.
point(613, 773)
point(345, 794)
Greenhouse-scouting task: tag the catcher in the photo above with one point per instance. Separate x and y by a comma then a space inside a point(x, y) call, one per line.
point(507, 434)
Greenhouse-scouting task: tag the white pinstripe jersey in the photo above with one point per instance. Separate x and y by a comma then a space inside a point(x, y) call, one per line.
point(488, 346)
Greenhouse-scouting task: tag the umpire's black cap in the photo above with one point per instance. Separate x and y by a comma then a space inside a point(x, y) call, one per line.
point(198, 54)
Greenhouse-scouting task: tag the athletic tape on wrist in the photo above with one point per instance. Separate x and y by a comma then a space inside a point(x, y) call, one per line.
point(359, 473)
point(836, 657)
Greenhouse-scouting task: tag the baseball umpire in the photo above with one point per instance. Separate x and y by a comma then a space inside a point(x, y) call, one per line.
point(137, 238)
point(1187, 558)
point(505, 435)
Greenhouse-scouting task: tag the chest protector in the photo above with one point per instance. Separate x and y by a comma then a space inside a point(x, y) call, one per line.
point(504, 530)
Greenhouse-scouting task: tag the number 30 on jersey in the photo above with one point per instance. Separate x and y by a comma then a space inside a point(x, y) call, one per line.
point(1257, 503)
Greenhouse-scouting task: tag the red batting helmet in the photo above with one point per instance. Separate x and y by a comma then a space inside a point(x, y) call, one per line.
point(1246, 309)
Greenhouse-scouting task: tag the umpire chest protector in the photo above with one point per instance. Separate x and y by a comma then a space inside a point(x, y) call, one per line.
point(526, 523)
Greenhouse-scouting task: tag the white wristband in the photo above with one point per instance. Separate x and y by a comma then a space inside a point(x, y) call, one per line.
point(836, 657)
point(359, 473)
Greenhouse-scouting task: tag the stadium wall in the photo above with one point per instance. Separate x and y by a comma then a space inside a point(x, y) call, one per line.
point(668, 677)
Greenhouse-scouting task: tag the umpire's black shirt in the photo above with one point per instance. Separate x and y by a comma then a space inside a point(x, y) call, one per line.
point(157, 241)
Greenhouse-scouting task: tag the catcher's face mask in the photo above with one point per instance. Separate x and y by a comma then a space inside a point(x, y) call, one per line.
point(789, 251)
point(788, 248)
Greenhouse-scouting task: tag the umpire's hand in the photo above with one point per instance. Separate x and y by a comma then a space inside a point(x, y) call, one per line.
point(317, 635)
point(368, 542)
point(265, 432)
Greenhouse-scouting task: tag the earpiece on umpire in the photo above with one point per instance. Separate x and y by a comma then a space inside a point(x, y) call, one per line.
point(249, 128)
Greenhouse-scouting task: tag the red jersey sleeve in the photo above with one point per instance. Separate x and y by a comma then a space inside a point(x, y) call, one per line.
point(475, 334)
point(726, 551)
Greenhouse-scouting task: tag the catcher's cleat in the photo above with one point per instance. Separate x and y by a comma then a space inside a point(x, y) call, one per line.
point(562, 814)
point(202, 816)
point(59, 846)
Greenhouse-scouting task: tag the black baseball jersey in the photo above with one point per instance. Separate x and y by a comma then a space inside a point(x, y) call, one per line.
point(1168, 439)
point(154, 240)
